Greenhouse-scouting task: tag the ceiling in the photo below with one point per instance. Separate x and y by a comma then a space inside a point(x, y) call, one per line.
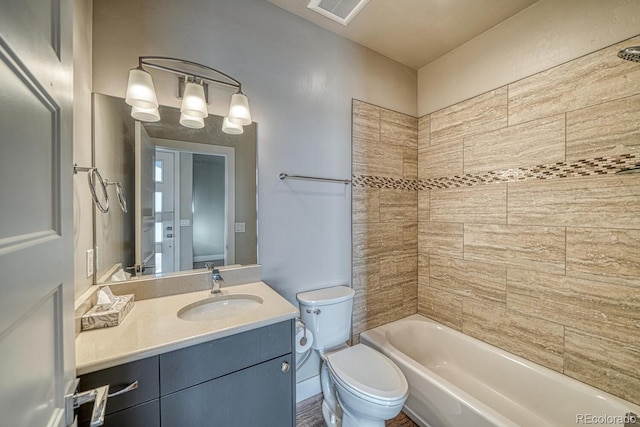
point(415, 32)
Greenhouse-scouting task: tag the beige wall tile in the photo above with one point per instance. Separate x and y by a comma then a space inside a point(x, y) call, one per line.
point(423, 205)
point(441, 306)
point(536, 248)
point(479, 204)
point(535, 339)
point(608, 310)
point(610, 255)
point(377, 159)
point(603, 363)
point(423, 269)
point(365, 204)
point(589, 80)
point(606, 201)
point(398, 129)
point(479, 114)
point(365, 121)
point(409, 237)
point(441, 160)
point(533, 143)
point(375, 239)
point(469, 279)
point(410, 164)
point(398, 205)
point(400, 276)
point(604, 130)
point(366, 275)
point(424, 131)
point(440, 238)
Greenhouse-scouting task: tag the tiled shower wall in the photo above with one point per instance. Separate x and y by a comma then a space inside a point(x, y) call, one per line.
point(527, 239)
point(385, 216)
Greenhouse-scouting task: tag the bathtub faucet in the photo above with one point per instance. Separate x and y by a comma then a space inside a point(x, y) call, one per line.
point(216, 279)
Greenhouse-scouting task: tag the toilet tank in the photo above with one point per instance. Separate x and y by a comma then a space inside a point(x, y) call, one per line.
point(327, 314)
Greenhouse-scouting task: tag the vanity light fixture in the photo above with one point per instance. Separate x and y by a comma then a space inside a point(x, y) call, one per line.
point(145, 114)
point(228, 126)
point(193, 86)
point(192, 122)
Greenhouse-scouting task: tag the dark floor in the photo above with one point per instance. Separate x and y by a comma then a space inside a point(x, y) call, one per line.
point(310, 415)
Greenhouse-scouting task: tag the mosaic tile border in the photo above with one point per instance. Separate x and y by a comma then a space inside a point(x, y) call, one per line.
point(579, 168)
point(384, 182)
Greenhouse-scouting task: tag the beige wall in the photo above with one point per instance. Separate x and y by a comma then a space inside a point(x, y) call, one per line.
point(527, 238)
point(547, 34)
point(82, 204)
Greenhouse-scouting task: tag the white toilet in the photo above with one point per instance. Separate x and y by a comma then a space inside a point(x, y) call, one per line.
point(361, 387)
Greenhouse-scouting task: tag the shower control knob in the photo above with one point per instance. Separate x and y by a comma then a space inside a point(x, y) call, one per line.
point(284, 367)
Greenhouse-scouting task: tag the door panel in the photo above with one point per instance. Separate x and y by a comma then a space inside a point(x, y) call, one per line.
point(145, 196)
point(36, 231)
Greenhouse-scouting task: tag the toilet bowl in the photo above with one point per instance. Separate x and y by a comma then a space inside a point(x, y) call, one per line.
point(361, 387)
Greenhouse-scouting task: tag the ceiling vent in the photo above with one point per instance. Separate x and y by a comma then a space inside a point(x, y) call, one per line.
point(342, 11)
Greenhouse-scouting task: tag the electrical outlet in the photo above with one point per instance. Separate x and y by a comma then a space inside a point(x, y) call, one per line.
point(240, 227)
point(89, 262)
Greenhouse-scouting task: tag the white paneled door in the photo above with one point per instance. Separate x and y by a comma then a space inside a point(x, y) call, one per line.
point(36, 228)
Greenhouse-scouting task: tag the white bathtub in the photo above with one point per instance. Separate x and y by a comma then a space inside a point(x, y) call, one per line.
point(458, 381)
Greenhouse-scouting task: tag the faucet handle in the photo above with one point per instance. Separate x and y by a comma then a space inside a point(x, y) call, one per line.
point(209, 266)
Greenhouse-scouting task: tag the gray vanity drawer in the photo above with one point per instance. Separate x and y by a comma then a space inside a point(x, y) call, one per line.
point(194, 365)
point(145, 371)
point(147, 415)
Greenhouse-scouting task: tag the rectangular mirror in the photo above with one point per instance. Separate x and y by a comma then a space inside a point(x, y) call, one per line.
point(190, 194)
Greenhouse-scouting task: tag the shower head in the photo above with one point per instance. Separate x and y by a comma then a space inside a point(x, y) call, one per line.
point(630, 53)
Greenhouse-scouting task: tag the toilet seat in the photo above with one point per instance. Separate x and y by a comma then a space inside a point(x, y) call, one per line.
point(369, 375)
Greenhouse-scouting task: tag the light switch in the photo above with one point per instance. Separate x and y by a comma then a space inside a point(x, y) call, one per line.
point(240, 227)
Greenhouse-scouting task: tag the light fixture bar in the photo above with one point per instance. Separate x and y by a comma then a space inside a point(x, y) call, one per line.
point(148, 61)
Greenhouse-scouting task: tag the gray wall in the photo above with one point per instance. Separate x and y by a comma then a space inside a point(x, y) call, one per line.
point(300, 80)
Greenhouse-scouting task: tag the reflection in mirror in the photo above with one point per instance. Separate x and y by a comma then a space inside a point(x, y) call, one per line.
point(196, 203)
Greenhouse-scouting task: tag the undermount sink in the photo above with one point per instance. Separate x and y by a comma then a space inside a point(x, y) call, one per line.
point(220, 307)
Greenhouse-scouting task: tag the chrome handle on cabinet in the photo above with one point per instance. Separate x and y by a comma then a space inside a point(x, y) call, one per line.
point(284, 367)
point(127, 389)
point(97, 395)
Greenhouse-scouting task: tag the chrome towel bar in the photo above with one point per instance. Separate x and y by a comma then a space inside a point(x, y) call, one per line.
point(284, 176)
point(94, 179)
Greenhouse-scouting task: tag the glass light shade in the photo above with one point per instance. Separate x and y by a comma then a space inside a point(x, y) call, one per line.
point(145, 114)
point(191, 122)
point(140, 90)
point(231, 128)
point(193, 101)
point(239, 112)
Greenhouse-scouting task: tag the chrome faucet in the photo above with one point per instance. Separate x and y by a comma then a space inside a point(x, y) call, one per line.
point(216, 279)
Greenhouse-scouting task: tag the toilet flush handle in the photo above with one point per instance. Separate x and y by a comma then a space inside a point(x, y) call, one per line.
point(315, 311)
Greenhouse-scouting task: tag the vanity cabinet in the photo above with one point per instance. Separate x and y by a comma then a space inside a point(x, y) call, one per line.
point(240, 380)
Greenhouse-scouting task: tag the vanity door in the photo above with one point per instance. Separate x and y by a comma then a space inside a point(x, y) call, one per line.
point(36, 212)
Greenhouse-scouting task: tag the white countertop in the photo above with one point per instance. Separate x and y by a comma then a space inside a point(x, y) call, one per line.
point(153, 327)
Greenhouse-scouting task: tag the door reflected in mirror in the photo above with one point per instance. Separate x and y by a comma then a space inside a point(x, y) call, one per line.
point(192, 193)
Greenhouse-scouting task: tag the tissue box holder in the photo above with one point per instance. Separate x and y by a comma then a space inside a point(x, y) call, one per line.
point(95, 319)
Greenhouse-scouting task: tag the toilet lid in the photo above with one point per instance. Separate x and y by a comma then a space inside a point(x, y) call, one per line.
point(366, 372)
